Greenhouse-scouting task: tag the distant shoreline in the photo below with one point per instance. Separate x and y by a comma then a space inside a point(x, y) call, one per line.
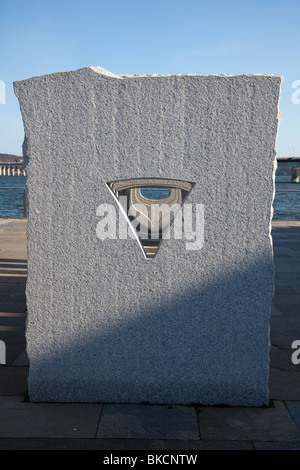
point(8, 159)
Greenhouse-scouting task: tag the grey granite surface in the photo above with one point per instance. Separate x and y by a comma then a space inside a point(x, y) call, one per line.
point(104, 323)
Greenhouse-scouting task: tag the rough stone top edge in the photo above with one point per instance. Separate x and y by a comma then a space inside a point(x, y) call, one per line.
point(107, 73)
point(103, 71)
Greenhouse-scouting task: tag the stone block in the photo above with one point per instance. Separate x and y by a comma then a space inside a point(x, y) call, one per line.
point(191, 324)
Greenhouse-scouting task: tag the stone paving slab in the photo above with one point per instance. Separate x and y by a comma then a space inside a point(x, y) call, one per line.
point(120, 444)
point(255, 424)
point(61, 444)
point(286, 299)
point(287, 268)
point(44, 420)
point(15, 264)
point(186, 445)
point(285, 323)
point(284, 385)
point(13, 280)
point(294, 245)
point(22, 359)
point(281, 254)
point(276, 445)
point(13, 380)
point(286, 223)
point(139, 444)
point(294, 409)
point(288, 276)
point(12, 334)
point(13, 351)
point(154, 422)
point(290, 233)
point(12, 269)
point(12, 293)
point(281, 244)
point(13, 320)
point(286, 290)
point(290, 310)
point(281, 358)
point(292, 261)
point(13, 307)
point(283, 339)
point(285, 251)
point(275, 311)
point(287, 282)
point(280, 240)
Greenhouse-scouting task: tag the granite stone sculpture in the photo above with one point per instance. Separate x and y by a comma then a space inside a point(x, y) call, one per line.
point(190, 322)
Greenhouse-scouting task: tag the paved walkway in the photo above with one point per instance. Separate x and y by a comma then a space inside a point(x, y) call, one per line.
point(25, 425)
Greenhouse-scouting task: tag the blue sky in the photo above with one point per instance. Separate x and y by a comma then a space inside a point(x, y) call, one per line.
point(163, 37)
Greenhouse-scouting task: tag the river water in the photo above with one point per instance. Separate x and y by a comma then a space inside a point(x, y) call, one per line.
point(286, 204)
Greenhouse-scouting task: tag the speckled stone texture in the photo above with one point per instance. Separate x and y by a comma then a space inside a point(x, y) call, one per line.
point(104, 323)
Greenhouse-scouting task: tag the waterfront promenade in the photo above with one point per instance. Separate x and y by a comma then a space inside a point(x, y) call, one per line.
point(25, 425)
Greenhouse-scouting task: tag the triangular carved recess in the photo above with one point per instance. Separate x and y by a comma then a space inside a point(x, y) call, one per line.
point(146, 203)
